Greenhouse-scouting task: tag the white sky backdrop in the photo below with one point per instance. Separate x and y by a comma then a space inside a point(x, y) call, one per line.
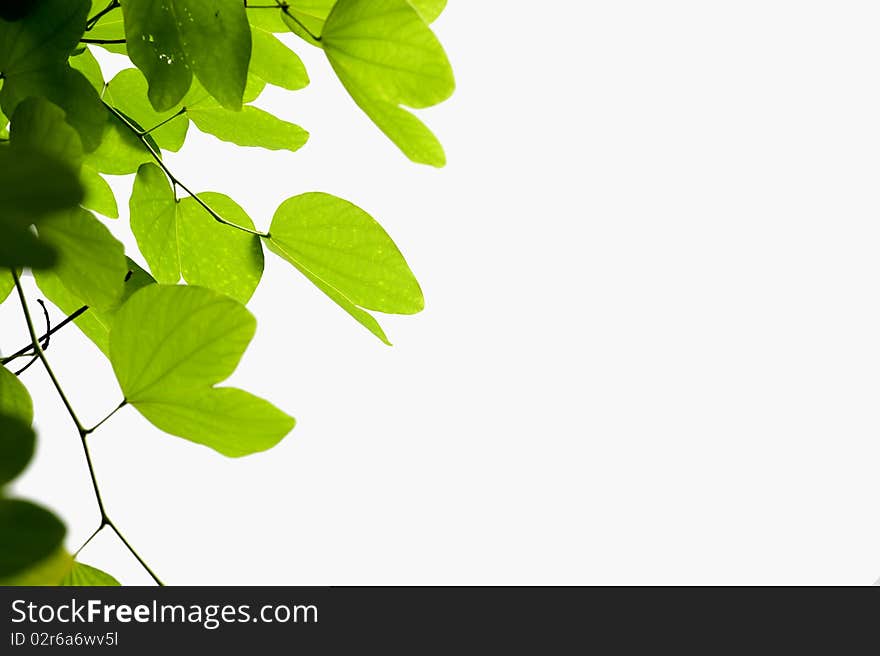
point(650, 353)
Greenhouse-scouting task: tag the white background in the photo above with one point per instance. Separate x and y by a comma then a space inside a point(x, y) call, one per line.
point(652, 342)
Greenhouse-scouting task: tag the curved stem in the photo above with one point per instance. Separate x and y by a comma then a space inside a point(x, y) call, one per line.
point(26, 350)
point(175, 181)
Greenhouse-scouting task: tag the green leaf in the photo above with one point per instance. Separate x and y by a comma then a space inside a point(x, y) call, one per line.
point(170, 346)
point(313, 14)
point(48, 572)
point(127, 92)
point(86, 64)
point(98, 194)
point(182, 238)
point(28, 535)
point(16, 447)
point(249, 127)
point(430, 10)
point(347, 254)
point(275, 63)
point(110, 27)
point(6, 286)
point(94, 323)
point(85, 576)
point(91, 261)
point(386, 56)
point(32, 186)
point(40, 125)
point(170, 40)
point(15, 401)
point(34, 62)
point(120, 152)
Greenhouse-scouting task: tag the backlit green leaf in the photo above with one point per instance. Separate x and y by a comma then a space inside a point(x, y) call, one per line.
point(16, 447)
point(170, 40)
point(347, 254)
point(275, 63)
point(386, 56)
point(98, 194)
point(28, 535)
point(86, 64)
point(182, 238)
point(127, 92)
point(85, 576)
point(249, 127)
point(313, 14)
point(94, 323)
point(91, 261)
point(169, 346)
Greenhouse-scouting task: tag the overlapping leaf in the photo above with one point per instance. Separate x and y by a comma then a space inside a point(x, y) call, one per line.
point(94, 323)
point(170, 40)
point(347, 255)
point(180, 238)
point(170, 346)
point(33, 185)
point(91, 263)
point(34, 62)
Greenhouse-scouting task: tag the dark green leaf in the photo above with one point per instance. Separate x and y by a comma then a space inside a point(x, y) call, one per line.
point(28, 534)
point(170, 40)
point(15, 401)
point(16, 447)
point(34, 62)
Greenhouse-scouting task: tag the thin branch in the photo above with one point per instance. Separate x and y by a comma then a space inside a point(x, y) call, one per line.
point(102, 41)
point(90, 538)
point(29, 348)
point(104, 420)
point(106, 10)
point(285, 9)
point(182, 111)
point(174, 180)
point(135, 554)
point(83, 432)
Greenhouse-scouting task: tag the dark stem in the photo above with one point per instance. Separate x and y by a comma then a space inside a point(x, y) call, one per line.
point(102, 41)
point(135, 554)
point(104, 420)
point(167, 120)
